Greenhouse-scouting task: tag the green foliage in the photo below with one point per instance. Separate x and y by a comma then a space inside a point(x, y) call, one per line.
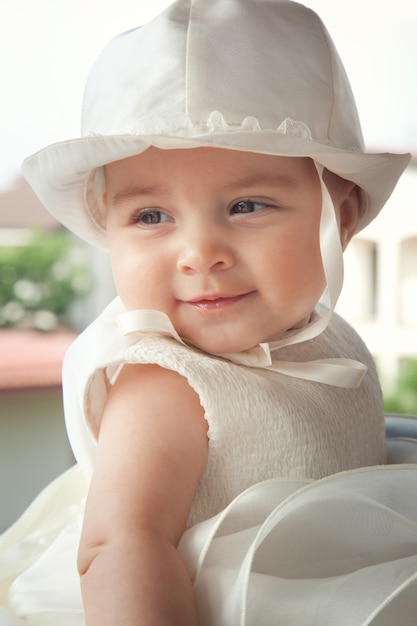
point(404, 400)
point(39, 282)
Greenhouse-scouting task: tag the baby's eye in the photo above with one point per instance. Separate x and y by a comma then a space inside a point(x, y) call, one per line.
point(247, 206)
point(149, 217)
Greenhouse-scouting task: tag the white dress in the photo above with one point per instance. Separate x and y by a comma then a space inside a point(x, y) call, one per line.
point(332, 541)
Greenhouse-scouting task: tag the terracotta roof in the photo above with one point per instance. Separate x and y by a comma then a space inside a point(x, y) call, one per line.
point(20, 208)
point(31, 359)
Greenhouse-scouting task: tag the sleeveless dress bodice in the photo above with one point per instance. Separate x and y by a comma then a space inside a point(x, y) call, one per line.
point(262, 424)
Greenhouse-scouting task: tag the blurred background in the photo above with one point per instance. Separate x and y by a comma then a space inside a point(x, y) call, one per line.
point(52, 286)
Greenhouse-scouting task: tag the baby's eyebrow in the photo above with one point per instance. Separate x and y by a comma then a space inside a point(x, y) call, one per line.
point(262, 179)
point(250, 181)
point(135, 192)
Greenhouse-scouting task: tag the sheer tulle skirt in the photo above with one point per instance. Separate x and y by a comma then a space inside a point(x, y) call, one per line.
point(342, 551)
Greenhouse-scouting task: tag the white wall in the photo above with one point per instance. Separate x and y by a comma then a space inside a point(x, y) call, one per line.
point(379, 297)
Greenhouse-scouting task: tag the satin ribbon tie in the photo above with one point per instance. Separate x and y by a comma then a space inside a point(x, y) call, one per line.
point(338, 372)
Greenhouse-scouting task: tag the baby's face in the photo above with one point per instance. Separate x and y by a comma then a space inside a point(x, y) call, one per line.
point(226, 243)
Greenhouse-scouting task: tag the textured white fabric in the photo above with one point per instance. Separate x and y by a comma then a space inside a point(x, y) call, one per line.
point(262, 424)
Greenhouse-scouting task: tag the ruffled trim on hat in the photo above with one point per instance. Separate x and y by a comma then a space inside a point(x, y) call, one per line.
point(180, 124)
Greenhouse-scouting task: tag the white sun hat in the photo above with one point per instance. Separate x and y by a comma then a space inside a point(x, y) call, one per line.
point(254, 75)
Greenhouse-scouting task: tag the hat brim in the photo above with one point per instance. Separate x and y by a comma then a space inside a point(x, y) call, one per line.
point(59, 174)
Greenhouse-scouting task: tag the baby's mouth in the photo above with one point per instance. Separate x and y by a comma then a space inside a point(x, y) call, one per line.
point(213, 302)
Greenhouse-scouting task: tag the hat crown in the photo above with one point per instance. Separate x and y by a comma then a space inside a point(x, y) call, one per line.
point(268, 60)
point(256, 75)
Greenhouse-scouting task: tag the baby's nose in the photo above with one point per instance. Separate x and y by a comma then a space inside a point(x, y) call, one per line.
point(205, 254)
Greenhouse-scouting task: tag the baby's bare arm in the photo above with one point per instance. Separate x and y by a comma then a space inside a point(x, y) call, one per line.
point(152, 451)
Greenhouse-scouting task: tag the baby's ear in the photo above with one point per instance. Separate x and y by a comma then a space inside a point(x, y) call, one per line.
point(350, 210)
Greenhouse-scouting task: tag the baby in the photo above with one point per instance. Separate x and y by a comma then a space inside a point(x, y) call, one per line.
point(222, 166)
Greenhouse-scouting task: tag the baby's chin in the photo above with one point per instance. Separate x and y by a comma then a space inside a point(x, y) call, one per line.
point(302, 323)
point(223, 340)
point(232, 345)
point(220, 348)
point(224, 348)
